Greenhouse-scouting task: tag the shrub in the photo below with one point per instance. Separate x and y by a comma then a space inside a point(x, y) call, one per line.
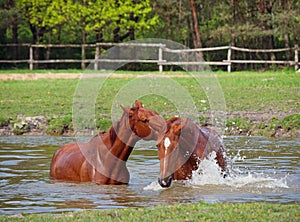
point(291, 122)
point(59, 126)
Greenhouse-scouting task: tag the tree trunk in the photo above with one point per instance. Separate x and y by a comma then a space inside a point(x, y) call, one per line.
point(15, 41)
point(99, 36)
point(169, 19)
point(196, 35)
point(48, 51)
point(83, 41)
point(131, 29)
point(15, 32)
point(287, 45)
point(37, 36)
point(116, 35)
point(286, 7)
point(265, 8)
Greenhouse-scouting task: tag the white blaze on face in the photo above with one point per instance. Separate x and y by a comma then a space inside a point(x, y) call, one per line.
point(167, 143)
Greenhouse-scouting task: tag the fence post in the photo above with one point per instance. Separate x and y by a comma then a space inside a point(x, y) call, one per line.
point(160, 58)
point(296, 57)
point(82, 56)
point(30, 57)
point(96, 57)
point(229, 59)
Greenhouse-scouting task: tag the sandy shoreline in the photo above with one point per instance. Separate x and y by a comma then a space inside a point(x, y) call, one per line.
point(38, 76)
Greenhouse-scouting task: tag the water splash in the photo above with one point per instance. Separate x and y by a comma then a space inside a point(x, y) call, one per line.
point(253, 180)
point(209, 173)
point(153, 186)
point(238, 177)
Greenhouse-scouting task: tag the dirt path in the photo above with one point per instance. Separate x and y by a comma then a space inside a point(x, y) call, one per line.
point(37, 76)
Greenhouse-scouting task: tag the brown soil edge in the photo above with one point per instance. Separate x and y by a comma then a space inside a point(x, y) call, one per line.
point(259, 126)
point(260, 122)
point(250, 116)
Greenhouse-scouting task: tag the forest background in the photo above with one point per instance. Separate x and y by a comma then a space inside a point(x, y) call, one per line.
point(263, 24)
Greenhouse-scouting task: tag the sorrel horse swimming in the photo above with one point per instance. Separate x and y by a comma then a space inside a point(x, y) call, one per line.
point(183, 147)
point(103, 159)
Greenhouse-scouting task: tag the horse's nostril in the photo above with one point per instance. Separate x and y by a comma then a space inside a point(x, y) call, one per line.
point(166, 182)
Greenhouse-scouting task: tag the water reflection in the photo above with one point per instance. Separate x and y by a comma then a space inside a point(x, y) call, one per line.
point(262, 169)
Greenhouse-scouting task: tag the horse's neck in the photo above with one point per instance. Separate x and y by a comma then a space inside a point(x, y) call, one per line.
point(189, 137)
point(122, 140)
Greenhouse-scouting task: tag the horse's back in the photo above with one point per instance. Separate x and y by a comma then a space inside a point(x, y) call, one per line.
point(70, 164)
point(67, 162)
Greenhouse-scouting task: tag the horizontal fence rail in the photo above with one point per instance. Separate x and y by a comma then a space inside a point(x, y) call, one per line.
point(160, 59)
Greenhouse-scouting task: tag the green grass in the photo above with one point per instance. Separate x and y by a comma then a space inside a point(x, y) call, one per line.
point(179, 212)
point(261, 91)
point(266, 92)
point(32, 98)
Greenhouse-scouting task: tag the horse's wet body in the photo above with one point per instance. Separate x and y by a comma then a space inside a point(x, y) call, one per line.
point(188, 144)
point(71, 164)
point(103, 159)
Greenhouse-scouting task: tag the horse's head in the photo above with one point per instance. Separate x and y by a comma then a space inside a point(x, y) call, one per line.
point(174, 148)
point(144, 123)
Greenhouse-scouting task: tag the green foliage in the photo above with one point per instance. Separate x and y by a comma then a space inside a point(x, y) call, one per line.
point(239, 125)
point(220, 22)
point(59, 126)
point(267, 127)
point(254, 24)
point(3, 121)
point(7, 16)
point(291, 122)
point(104, 124)
point(274, 124)
point(100, 16)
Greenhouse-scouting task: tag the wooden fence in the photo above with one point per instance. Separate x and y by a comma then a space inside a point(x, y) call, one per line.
point(159, 60)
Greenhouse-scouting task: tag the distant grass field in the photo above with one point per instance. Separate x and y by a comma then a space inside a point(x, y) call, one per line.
point(178, 212)
point(269, 92)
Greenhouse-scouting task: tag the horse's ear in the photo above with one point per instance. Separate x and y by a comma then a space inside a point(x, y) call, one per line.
point(138, 104)
point(178, 126)
point(126, 110)
point(184, 122)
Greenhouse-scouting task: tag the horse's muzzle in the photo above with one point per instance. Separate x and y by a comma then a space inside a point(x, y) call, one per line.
point(166, 182)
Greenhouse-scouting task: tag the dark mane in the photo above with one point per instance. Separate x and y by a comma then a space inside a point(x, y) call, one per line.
point(113, 132)
point(170, 121)
point(188, 135)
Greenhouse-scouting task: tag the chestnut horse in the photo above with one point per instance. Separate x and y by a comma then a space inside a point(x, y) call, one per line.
point(103, 159)
point(183, 147)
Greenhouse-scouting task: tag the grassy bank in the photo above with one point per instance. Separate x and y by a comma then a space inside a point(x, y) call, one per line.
point(178, 212)
point(257, 103)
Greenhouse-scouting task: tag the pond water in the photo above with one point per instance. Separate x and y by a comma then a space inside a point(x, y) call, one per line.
point(261, 169)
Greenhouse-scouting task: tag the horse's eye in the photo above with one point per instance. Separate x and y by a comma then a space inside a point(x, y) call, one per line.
point(158, 147)
point(144, 120)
